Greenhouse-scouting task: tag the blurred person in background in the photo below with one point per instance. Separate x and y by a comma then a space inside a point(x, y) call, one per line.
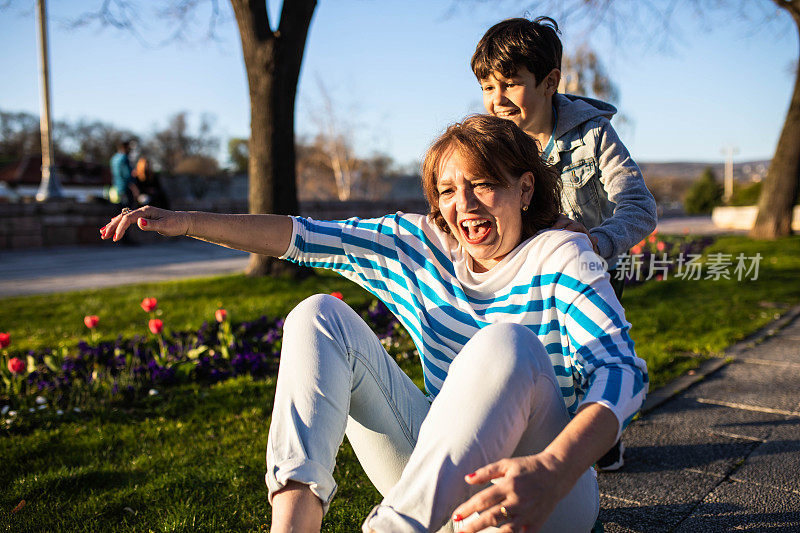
point(149, 185)
point(123, 190)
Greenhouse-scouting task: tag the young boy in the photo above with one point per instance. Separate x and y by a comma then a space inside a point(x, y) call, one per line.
point(518, 64)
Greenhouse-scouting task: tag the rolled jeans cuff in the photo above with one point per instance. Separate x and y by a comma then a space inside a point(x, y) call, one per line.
point(383, 518)
point(310, 473)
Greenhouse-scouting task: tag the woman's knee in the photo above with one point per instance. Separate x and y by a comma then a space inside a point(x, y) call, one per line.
point(505, 348)
point(316, 325)
point(312, 308)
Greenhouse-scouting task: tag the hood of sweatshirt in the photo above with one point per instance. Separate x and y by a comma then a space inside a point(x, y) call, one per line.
point(575, 110)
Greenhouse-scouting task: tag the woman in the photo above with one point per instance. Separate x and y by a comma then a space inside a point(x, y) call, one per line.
point(540, 371)
point(150, 190)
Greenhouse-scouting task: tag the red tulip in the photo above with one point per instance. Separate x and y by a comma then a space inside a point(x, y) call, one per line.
point(156, 325)
point(636, 250)
point(220, 315)
point(651, 238)
point(661, 246)
point(337, 294)
point(16, 365)
point(5, 340)
point(91, 321)
point(149, 304)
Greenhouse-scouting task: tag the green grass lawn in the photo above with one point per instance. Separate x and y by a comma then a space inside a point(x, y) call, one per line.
point(191, 458)
point(674, 321)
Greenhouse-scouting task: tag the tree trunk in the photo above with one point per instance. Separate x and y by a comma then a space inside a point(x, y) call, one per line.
point(272, 61)
point(780, 189)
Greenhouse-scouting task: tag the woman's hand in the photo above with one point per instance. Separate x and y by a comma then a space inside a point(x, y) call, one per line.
point(165, 222)
point(526, 488)
point(564, 222)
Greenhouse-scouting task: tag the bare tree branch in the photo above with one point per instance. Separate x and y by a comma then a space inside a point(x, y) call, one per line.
point(183, 12)
point(115, 13)
point(126, 15)
point(119, 14)
point(334, 140)
point(656, 24)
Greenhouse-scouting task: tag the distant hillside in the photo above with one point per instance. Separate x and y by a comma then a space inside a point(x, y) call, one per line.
point(689, 171)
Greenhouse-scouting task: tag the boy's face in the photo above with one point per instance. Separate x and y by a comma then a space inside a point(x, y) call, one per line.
point(519, 99)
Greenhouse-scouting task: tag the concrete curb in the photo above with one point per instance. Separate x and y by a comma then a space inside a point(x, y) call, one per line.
point(681, 383)
point(708, 367)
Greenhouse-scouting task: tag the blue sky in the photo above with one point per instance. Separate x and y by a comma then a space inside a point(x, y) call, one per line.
point(398, 73)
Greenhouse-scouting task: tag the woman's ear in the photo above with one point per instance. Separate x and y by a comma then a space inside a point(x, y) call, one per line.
point(526, 185)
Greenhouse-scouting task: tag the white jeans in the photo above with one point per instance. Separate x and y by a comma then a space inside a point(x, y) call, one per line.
point(500, 399)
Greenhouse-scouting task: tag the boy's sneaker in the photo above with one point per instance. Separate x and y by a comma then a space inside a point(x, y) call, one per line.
point(613, 459)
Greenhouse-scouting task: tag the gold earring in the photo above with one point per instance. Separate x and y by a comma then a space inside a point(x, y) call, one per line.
point(525, 208)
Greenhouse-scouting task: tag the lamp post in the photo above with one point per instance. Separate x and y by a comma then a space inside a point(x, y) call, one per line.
point(49, 188)
point(729, 152)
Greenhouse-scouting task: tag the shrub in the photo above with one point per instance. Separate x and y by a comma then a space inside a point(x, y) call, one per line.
point(750, 194)
point(704, 195)
point(746, 195)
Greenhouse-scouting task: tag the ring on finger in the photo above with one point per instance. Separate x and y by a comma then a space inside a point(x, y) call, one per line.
point(504, 512)
point(125, 211)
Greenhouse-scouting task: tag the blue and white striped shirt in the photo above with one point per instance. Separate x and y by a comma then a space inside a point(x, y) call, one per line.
point(424, 277)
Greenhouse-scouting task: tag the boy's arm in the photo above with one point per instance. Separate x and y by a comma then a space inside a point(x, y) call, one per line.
point(635, 214)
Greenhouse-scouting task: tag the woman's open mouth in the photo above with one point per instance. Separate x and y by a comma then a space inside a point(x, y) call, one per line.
point(475, 230)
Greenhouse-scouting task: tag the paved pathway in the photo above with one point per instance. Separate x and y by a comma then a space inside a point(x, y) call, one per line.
point(722, 455)
point(107, 265)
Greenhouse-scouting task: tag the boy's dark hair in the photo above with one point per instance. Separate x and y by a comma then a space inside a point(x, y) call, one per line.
point(514, 43)
point(496, 150)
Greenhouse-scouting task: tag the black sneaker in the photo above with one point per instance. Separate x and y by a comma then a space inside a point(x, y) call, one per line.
point(613, 459)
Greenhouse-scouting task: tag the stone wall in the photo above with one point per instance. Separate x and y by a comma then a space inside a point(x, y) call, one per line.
point(36, 225)
point(318, 209)
point(744, 217)
point(69, 223)
point(333, 210)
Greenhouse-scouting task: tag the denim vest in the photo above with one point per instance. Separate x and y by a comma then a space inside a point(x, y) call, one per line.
point(603, 188)
point(583, 196)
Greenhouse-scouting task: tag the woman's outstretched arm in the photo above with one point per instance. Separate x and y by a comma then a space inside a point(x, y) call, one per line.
point(261, 234)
